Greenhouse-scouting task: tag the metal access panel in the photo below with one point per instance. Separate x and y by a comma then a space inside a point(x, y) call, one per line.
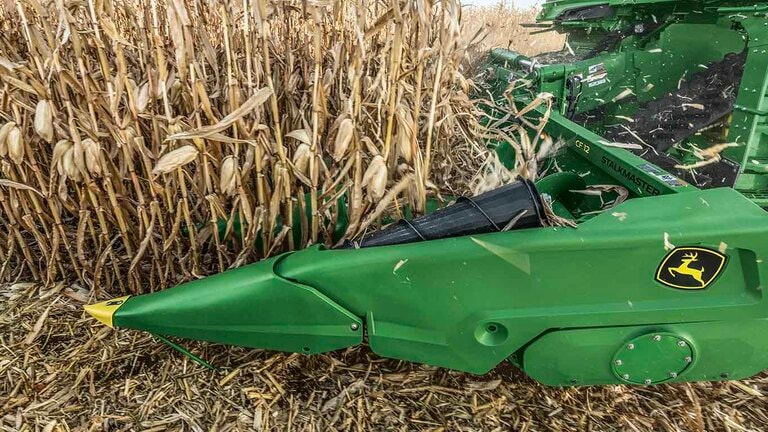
point(710, 351)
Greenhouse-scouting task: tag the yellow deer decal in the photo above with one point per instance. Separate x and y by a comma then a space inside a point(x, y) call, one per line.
point(685, 268)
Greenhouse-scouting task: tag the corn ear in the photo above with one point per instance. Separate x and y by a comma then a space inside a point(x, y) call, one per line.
point(92, 154)
point(375, 178)
point(15, 143)
point(5, 130)
point(301, 158)
point(44, 120)
point(343, 138)
point(228, 172)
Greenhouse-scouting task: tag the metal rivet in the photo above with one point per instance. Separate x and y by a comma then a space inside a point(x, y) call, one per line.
point(647, 381)
point(681, 343)
point(688, 359)
point(631, 346)
point(618, 362)
point(625, 376)
point(354, 326)
point(657, 338)
point(673, 374)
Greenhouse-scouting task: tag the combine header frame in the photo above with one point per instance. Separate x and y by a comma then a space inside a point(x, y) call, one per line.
point(667, 286)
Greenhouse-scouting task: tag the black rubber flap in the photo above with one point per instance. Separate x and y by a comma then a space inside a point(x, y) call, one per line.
point(514, 206)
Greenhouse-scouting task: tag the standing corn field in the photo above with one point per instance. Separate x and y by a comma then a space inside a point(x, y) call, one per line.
point(144, 143)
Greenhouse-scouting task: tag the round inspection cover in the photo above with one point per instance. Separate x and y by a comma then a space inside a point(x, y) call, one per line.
point(652, 358)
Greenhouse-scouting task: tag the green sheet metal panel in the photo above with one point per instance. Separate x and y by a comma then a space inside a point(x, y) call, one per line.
point(715, 350)
point(469, 303)
point(432, 302)
point(250, 306)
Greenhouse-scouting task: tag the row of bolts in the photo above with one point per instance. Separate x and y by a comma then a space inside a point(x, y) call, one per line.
point(657, 338)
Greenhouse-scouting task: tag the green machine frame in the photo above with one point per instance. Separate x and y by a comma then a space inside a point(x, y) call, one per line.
point(665, 287)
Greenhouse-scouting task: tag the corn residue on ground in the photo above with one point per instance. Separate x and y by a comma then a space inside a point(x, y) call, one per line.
point(62, 371)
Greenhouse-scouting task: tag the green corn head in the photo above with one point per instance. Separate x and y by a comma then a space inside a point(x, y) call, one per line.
point(665, 99)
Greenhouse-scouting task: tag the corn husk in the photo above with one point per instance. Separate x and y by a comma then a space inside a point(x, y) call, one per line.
point(343, 139)
point(15, 144)
point(175, 159)
point(228, 173)
point(44, 120)
point(375, 178)
point(5, 130)
point(301, 158)
point(92, 156)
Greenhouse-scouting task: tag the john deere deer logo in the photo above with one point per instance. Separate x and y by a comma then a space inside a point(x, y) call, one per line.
point(686, 269)
point(690, 268)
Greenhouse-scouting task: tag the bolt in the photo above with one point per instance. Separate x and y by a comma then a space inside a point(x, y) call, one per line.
point(631, 346)
point(647, 381)
point(681, 343)
point(657, 338)
point(354, 326)
point(618, 362)
point(673, 374)
point(688, 359)
point(625, 376)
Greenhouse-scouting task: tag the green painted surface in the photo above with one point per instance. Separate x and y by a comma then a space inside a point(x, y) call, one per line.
point(622, 167)
point(468, 303)
point(563, 304)
point(721, 350)
point(664, 43)
point(250, 306)
point(653, 358)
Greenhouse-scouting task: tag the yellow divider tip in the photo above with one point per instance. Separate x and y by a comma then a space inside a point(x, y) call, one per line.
point(105, 310)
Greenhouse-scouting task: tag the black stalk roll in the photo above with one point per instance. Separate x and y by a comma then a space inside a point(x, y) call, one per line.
point(517, 204)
